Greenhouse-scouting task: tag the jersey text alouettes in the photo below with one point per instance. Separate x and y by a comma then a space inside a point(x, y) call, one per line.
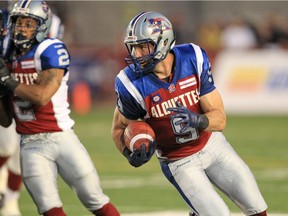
point(148, 98)
point(54, 116)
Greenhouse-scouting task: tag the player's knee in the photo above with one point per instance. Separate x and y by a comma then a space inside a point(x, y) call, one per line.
point(55, 212)
point(107, 210)
point(14, 166)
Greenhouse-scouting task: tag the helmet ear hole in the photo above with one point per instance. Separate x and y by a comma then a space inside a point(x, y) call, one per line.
point(165, 42)
point(42, 28)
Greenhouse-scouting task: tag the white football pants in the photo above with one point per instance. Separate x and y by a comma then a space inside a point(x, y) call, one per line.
point(45, 155)
point(219, 165)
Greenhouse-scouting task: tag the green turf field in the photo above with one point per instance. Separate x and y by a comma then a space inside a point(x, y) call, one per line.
point(261, 141)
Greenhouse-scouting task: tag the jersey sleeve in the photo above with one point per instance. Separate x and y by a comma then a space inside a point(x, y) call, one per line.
point(126, 103)
point(53, 54)
point(206, 78)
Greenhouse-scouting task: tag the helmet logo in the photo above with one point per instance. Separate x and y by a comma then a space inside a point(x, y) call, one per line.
point(158, 25)
point(45, 7)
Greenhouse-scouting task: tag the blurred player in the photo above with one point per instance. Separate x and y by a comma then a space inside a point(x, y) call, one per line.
point(48, 145)
point(172, 89)
point(10, 174)
point(57, 27)
point(10, 170)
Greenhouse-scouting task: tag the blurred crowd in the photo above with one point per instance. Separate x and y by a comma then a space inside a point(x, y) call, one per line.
point(98, 67)
point(240, 33)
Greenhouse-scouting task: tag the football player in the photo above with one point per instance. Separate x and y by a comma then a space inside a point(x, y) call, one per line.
point(172, 89)
point(10, 172)
point(37, 74)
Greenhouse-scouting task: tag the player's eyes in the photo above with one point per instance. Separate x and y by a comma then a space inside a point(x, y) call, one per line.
point(27, 26)
point(143, 46)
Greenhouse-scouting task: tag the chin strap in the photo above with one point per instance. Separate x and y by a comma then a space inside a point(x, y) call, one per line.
point(21, 41)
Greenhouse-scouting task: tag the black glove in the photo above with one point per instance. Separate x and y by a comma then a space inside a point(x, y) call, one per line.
point(188, 118)
point(5, 112)
point(5, 76)
point(3, 90)
point(139, 156)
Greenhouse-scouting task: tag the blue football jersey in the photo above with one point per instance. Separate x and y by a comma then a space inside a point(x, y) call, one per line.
point(54, 116)
point(148, 97)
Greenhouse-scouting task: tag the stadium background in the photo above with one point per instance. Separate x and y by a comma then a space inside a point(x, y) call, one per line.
point(94, 34)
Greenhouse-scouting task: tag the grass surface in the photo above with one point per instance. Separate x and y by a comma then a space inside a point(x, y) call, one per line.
point(261, 141)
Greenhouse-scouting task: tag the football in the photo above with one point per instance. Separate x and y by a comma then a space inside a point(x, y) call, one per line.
point(138, 133)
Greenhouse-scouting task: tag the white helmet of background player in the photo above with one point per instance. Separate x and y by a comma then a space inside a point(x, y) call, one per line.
point(57, 28)
point(38, 10)
point(149, 27)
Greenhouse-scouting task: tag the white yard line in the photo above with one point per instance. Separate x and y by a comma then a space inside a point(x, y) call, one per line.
point(181, 213)
point(160, 181)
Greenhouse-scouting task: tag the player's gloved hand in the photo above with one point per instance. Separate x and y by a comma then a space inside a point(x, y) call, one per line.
point(139, 156)
point(187, 118)
point(3, 90)
point(4, 72)
point(5, 76)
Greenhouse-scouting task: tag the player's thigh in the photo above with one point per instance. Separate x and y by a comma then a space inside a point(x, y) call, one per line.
point(73, 159)
point(232, 175)
point(188, 176)
point(78, 171)
point(39, 172)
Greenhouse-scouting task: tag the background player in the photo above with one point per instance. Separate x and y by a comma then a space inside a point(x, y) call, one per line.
point(38, 80)
point(10, 172)
point(171, 88)
point(57, 27)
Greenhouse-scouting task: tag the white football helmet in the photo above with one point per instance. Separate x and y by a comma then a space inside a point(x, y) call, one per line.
point(57, 28)
point(36, 9)
point(149, 27)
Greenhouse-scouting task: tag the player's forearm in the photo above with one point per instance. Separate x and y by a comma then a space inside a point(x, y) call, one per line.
point(33, 93)
point(118, 126)
point(213, 108)
point(117, 135)
point(217, 120)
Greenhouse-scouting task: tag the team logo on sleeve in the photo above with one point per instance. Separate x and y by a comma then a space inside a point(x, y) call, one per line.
point(119, 103)
point(210, 79)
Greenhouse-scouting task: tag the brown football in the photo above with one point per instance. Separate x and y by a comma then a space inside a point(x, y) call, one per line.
point(138, 133)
